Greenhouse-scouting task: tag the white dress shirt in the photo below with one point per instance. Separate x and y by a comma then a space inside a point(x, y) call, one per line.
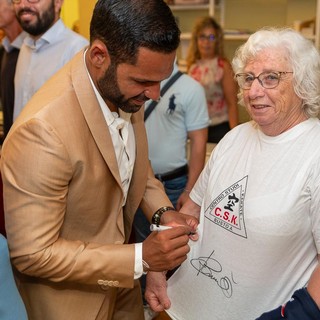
point(124, 143)
point(39, 60)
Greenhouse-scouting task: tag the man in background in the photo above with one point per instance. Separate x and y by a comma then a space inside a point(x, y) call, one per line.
point(179, 116)
point(9, 51)
point(48, 46)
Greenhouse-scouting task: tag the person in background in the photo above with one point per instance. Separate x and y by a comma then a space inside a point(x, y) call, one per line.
point(2, 223)
point(11, 304)
point(207, 64)
point(75, 168)
point(258, 198)
point(181, 114)
point(9, 51)
point(48, 46)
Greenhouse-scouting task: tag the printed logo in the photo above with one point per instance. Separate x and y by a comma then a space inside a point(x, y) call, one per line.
point(227, 209)
point(172, 105)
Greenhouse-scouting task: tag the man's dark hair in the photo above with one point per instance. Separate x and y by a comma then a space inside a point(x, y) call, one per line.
point(126, 25)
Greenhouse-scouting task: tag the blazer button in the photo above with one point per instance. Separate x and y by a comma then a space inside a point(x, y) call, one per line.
point(103, 284)
point(110, 283)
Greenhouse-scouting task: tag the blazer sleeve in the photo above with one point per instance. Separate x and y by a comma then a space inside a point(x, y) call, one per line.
point(154, 197)
point(148, 191)
point(37, 174)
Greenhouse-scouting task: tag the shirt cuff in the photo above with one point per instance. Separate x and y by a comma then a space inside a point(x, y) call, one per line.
point(138, 267)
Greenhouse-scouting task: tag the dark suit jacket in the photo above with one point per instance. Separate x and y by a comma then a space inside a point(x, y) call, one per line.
point(8, 61)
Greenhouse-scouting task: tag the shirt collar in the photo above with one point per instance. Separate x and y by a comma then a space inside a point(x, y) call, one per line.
point(15, 44)
point(50, 36)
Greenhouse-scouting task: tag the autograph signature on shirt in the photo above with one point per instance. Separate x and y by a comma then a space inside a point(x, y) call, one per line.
point(212, 268)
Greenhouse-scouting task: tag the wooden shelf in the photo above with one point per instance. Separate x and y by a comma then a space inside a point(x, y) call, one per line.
point(221, 9)
point(186, 36)
point(182, 7)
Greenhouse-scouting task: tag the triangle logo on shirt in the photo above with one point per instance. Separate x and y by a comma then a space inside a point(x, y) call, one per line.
point(226, 210)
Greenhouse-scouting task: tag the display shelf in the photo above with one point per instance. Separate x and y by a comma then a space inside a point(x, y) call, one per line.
point(255, 14)
point(239, 19)
point(186, 36)
point(186, 15)
point(236, 16)
point(182, 7)
point(209, 7)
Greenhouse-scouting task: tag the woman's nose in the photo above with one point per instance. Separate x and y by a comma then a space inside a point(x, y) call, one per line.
point(256, 89)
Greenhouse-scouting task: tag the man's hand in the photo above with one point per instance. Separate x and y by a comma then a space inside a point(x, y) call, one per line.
point(156, 291)
point(165, 250)
point(174, 219)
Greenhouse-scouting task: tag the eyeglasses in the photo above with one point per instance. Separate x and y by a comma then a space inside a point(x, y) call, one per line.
point(268, 79)
point(30, 1)
point(203, 37)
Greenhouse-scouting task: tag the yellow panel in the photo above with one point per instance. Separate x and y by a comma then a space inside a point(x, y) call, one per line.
point(85, 13)
point(70, 13)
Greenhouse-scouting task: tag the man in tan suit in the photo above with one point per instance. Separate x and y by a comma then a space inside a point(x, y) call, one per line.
point(75, 169)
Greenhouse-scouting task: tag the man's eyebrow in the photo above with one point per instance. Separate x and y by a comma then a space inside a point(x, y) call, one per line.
point(144, 80)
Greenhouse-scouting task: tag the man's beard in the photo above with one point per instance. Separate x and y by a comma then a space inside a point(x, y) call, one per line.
point(110, 91)
point(41, 25)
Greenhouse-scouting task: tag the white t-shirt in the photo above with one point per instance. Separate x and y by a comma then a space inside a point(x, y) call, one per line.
point(260, 225)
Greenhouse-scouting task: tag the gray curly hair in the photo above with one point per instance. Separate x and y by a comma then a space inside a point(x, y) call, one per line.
point(302, 55)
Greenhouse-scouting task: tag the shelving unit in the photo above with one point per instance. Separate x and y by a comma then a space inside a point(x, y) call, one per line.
point(242, 15)
point(210, 7)
point(186, 15)
point(182, 7)
point(246, 15)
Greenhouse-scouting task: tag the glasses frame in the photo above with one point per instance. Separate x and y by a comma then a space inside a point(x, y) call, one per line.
point(19, 1)
point(203, 37)
point(278, 73)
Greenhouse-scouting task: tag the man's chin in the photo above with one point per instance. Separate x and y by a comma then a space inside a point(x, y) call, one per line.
point(131, 108)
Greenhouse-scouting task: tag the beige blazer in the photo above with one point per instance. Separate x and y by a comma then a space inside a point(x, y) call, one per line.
point(62, 196)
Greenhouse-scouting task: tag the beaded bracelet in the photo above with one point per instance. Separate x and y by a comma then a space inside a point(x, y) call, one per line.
point(157, 215)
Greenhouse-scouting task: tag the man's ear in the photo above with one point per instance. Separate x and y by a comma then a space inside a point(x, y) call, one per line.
point(99, 54)
point(58, 5)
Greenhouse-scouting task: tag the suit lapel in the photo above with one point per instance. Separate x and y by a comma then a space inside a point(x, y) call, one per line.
point(100, 132)
point(93, 115)
point(140, 172)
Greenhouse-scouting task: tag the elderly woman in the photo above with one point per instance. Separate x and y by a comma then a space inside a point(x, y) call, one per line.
point(258, 198)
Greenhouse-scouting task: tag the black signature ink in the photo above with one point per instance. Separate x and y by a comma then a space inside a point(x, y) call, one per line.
point(209, 266)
